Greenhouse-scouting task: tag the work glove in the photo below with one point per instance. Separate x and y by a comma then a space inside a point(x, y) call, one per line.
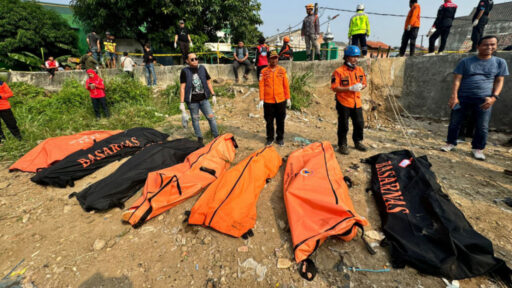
point(191, 44)
point(288, 103)
point(408, 27)
point(475, 22)
point(431, 31)
point(214, 100)
point(175, 45)
point(260, 105)
point(184, 119)
point(356, 87)
point(182, 107)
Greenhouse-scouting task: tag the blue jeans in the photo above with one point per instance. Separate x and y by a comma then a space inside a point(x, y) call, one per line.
point(150, 71)
point(481, 118)
point(96, 54)
point(205, 107)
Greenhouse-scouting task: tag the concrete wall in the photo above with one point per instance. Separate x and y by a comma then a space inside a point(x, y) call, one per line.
point(427, 88)
point(422, 85)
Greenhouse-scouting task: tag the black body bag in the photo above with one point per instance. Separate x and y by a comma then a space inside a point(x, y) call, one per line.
point(113, 190)
point(423, 228)
point(84, 162)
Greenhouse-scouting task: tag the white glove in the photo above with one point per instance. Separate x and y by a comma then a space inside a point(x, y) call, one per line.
point(174, 45)
point(182, 107)
point(191, 44)
point(408, 27)
point(475, 22)
point(356, 87)
point(184, 119)
point(432, 30)
point(214, 100)
point(260, 105)
point(289, 103)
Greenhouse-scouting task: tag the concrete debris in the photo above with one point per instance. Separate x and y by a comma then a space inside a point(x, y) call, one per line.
point(283, 263)
point(99, 244)
point(374, 235)
point(243, 249)
point(258, 269)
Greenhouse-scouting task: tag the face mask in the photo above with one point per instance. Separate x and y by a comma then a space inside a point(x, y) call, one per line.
point(350, 65)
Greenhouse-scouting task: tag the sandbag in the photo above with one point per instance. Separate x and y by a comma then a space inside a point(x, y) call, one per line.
point(317, 201)
point(229, 204)
point(52, 150)
point(84, 162)
point(423, 228)
point(113, 190)
point(168, 187)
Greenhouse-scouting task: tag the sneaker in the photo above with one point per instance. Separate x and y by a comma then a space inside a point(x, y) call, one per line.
point(280, 143)
point(448, 147)
point(361, 147)
point(461, 140)
point(269, 142)
point(246, 77)
point(478, 154)
point(343, 149)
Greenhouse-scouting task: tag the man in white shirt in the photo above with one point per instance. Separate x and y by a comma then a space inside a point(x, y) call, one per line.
point(127, 63)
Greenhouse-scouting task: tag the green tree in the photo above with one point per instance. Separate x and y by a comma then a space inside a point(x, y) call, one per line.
point(157, 20)
point(26, 28)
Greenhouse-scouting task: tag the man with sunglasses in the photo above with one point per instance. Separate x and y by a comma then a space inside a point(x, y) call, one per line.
point(195, 90)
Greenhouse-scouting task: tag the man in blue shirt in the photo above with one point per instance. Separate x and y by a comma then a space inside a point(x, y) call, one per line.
point(477, 84)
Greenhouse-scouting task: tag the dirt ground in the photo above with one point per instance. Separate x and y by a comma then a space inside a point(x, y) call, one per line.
point(63, 246)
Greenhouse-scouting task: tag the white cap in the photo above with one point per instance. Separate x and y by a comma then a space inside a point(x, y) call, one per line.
point(360, 7)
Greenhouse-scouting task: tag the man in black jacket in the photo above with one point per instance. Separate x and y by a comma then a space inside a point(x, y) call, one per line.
point(480, 19)
point(442, 26)
point(148, 60)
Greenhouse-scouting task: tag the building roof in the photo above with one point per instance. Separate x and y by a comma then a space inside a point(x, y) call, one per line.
point(500, 13)
point(377, 44)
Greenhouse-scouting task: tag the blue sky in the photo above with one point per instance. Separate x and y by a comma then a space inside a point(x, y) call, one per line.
point(278, 14)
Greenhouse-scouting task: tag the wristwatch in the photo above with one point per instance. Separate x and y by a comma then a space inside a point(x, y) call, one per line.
point(495, 96)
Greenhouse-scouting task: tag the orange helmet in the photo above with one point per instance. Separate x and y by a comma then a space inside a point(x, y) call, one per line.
point(286, 39)
point(310, 6)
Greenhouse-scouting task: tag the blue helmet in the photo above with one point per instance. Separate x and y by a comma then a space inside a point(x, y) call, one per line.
point(352, 51)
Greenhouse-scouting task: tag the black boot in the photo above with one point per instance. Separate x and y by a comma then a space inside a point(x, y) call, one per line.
point(361, 147)
point(200, 140)
point(343, 149)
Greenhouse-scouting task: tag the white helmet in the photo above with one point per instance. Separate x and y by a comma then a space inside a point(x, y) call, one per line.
point(360, 7)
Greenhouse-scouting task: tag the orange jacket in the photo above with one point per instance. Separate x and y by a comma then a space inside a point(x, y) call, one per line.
point(317, 202)
point(413, 18)
point(346, 77)
point(5, 93)
point(229, 204)
point(169, 187)
point(274, 87)
point(54, 149)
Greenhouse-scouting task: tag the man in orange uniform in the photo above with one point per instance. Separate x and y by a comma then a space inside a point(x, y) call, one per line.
point(412, 25)
point(6, 112)
point(348, 81)
point(274, 98)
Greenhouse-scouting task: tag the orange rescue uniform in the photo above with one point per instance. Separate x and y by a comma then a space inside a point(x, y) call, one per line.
point(347, 77)
point(413, 18)
point(274, 87)
point(5, 92)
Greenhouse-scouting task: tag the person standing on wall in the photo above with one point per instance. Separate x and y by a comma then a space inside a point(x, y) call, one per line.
point(195, 90)
point(310, 31)
point(412, 26)
point(93, 40)
point(241, 56)
point(442, 26)
point(97, 92)
point(274, 98)
point(480, 19)
point(6, 113)
point(110, 49)
point(262, 56)
point(286, 52)
point(183, 38)
point(359, 29)
point(477, 84)
point(348, 81)
point(127, 64)
point(148, 60)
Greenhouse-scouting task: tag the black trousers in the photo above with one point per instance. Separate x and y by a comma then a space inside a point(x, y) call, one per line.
point(237, 64)
point(478, 32)
point(258, 70)
point(100, 102)
point(10, 122)
point(51, 71)
point(409, 37)
point(443, 32)
point(356, 114)
point(275, 111)
point(360, 40)
point(184, 46)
